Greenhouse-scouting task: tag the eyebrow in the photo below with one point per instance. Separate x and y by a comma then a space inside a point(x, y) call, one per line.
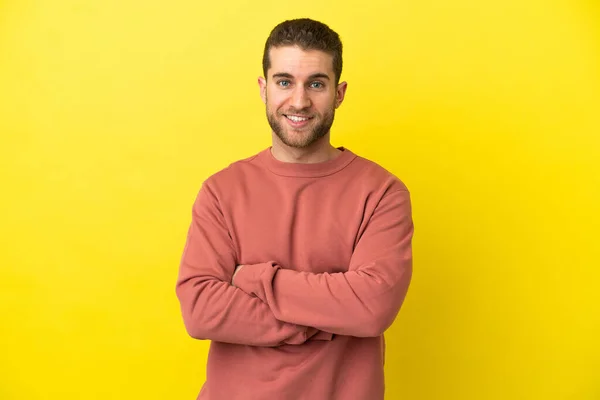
point(290, 76)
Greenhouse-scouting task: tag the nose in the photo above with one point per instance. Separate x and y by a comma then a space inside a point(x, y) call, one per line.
point(300, 99)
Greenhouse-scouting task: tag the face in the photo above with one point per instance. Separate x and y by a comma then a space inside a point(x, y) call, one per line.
point(301, 95)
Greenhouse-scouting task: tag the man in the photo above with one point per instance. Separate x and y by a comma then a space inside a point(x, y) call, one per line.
point(299, 257)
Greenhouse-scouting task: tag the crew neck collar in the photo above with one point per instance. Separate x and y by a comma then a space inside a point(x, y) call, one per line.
point(302, 170)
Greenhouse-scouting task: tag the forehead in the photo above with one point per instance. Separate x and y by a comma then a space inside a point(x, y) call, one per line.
point(297, 62)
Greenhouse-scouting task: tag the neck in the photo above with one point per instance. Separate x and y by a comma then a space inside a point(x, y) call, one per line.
point(319, 151)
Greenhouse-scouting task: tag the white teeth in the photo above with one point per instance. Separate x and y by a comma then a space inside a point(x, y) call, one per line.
point(296, 119)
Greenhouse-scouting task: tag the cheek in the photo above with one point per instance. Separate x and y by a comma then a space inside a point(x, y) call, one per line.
point(275, 100)
point(324, 104)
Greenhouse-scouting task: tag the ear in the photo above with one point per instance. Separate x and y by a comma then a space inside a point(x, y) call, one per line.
point(340, 93)
point(262, 83)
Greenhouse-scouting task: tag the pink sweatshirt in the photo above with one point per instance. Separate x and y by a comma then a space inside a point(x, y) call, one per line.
point(326, 250)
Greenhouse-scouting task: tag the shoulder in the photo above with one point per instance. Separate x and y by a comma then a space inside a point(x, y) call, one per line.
point(374, 174)
point(232, 175)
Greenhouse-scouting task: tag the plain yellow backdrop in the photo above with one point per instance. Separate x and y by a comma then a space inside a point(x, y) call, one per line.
point(112, 113)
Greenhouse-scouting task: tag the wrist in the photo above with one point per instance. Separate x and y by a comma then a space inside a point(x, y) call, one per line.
point(237, 269)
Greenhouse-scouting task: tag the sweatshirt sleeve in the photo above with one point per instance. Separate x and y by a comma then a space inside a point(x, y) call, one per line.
point(363, 301)
point(211, 307)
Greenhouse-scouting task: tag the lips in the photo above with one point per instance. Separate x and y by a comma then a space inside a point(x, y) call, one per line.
point(297, 118)
point(297, 122)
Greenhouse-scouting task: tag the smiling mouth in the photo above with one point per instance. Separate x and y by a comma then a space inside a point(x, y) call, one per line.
point(296, 118)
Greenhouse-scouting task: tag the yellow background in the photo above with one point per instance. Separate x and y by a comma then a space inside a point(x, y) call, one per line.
point(113, 112)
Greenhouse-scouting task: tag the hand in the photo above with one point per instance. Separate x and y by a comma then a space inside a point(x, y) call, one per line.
point(237, 269)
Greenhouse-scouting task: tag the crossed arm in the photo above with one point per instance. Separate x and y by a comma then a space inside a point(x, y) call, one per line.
point(211, 307)
point(362, 302)
point(280, 306)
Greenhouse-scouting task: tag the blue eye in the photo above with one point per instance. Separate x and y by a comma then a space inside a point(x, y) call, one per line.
point(284, 83)
point(316, 85)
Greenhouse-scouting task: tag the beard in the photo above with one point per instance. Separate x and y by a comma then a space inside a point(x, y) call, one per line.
point(319, 126)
